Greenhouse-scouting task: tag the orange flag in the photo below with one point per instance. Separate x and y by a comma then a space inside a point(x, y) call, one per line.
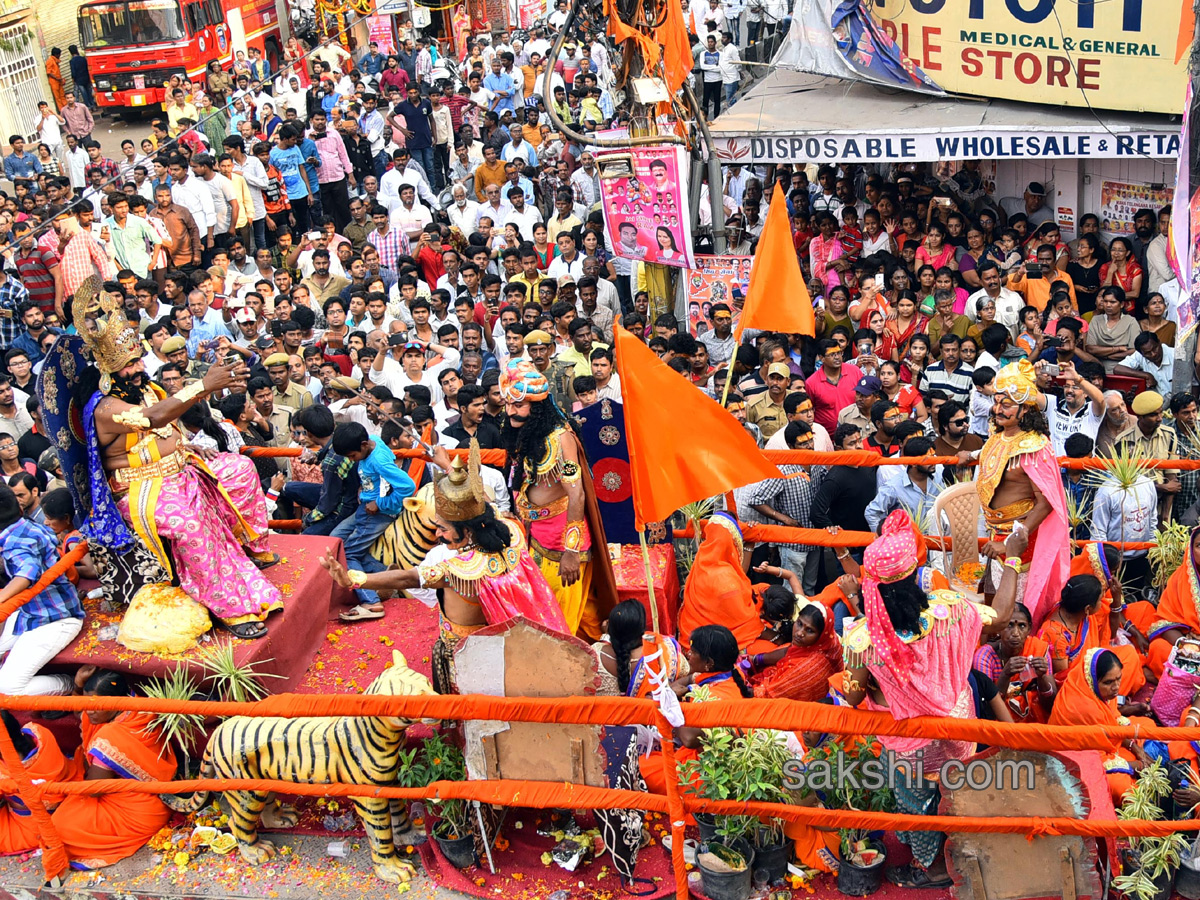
point(777, 298)
point(683, 446)
point(676, 48)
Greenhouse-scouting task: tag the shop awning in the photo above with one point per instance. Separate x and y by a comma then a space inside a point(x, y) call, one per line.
point(796, 117)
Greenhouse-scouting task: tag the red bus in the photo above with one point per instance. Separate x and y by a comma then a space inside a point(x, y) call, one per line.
point(135, 46)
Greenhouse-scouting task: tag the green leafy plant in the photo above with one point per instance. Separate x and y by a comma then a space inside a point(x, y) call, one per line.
point(1167, 555)
point(232, 682)
point(695, 514)
point(178, 728)
point(1153, 857)
point(438, 760)
point(1124, 469)
point(732, 766)
point(851, 793)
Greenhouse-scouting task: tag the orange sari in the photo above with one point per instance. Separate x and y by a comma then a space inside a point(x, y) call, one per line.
point(1178, 607)
point(804, 672)
point(1022, 697)
point(100, 831)
point(47, 762)
point(1096, 631)
point(721, 686)
point(660, 663)
point(718, 592)
point(1079, 703)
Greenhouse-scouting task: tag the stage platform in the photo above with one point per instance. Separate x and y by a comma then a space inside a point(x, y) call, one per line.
point(310, 599)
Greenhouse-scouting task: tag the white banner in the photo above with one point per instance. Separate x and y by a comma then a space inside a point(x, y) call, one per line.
point(918, 147)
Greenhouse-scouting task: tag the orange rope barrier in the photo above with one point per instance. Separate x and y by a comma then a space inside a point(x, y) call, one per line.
point(868, 459)
point(488, 457)
point(775, 714)
point(12, 604)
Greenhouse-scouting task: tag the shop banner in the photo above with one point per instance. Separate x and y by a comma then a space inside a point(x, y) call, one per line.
point(715, 279)
point(1120, 201)
point(910, 146)
point(529, 11)
point(645, 201)
point(1103, 55)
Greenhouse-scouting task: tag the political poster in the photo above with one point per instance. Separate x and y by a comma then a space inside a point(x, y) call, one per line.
point(715, 279)
point(1120, 201)
point(1087, 54)
point(643, 192)
point(379, 30)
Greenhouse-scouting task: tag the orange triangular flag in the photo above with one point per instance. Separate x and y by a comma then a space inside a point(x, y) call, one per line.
point(683, 446)
point(777, 298)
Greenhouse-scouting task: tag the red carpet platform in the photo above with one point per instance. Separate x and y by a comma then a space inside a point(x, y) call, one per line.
point(296, 634)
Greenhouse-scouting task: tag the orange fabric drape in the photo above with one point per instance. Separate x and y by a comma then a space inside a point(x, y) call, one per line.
point(717, 591)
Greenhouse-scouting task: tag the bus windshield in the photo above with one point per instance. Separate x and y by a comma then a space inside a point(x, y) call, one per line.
point(129, 23)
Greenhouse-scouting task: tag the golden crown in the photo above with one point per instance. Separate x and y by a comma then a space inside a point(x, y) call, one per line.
point(109, 339)
point(458, 495)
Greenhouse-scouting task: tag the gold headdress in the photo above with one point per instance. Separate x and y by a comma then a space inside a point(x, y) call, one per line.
point(1018, 381)
point(108, 338)
point(458, 495)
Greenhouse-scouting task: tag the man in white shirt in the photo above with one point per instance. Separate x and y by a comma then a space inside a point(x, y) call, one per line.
point(193, 195)
point(223, 197)
point(77, 163)
point(585, 181)
point(495, 208)
point(411, 367)
point(524, 217)
point(464, 211)
point(1158, 269)
point(255, 175)
point(731, 63)
point(408, 215)
point(568, 262)
point(404, 172)
point(1080, 410)
point(1152, 360)
point(1008, 303)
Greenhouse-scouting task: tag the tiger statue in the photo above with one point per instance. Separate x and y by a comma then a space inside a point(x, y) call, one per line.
point(409, 539)
point(315, 750)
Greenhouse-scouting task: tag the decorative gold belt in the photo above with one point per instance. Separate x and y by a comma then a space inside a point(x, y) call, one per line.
point(1006, 515)
point(534, 513)
point(121, 479)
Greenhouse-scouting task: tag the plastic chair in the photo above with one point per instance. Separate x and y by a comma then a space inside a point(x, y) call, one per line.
point(959, 504)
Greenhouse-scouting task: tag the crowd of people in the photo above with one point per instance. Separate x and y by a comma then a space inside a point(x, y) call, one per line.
point(372, 252)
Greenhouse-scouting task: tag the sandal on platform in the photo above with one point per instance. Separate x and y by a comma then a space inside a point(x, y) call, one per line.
point(267, 563)
point(247, 631)
point(360, 614)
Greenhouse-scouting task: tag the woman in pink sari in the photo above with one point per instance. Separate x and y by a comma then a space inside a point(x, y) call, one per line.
point(910, 656)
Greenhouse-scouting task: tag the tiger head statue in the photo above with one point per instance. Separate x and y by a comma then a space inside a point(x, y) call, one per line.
point(398, 680)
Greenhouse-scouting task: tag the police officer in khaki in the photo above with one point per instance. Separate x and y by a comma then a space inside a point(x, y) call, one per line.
point(287, 392)
point(766, 410)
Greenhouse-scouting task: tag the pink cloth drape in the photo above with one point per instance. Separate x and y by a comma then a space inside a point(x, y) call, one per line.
point(1051, 563)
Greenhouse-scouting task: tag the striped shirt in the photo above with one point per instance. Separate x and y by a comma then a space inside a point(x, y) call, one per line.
point(391, 246)
point(29, 550)
point(83, 257)
point(34, 269)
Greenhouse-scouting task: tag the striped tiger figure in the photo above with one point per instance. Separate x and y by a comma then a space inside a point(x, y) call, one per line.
point(407, 540)
point(315, 750)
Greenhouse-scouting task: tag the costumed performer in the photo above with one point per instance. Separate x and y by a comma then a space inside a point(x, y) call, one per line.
point(199, 513)
point(104, 829)
point(552, 492)
point(1089, 697)
point(482, 570)
point(1019, 480)
point(44, 761)
point(718, 591)
point(911, 656)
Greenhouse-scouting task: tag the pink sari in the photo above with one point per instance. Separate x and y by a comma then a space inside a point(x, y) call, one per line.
point(1051, 563)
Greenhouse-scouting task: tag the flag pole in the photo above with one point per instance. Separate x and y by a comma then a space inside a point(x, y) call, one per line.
point(737, 335)
point(649, 580)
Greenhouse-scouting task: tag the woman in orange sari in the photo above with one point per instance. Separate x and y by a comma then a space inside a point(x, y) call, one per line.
point(1089, 697)
point(801, 671)
point(635, 662)
point(1019, 665)
point(777, 612)
point(1178, 612)
point(1081, 622)
point(718, 590)
point(103, 830)
point(712, 663)
point(44, 761)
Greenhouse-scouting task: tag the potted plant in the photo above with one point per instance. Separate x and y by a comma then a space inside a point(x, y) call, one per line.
point(861, 867)
point(734, 766)
point(438, 760)
point(1150, 864)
